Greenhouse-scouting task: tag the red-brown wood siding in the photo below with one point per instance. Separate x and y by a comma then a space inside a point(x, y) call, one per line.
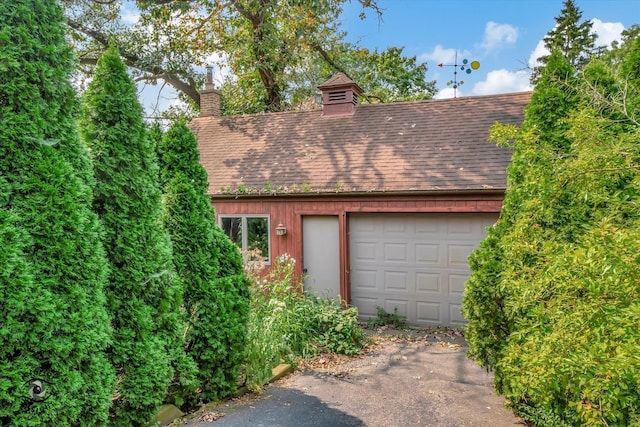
point(290, 210)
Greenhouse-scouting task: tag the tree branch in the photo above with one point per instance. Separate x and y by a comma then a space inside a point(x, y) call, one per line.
point(598, 99)
point(187, 87)
point(327, 58)
point(584, 172)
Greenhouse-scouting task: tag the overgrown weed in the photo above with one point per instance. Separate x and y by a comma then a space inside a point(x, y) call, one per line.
point(286, 324)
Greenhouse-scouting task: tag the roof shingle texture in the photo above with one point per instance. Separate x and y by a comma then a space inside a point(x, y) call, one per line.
point(433, 145)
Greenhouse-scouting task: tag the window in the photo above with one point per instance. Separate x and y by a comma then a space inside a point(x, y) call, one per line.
point(249, 232)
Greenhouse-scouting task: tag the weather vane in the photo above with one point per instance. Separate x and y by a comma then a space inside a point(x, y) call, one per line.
point(466, 66)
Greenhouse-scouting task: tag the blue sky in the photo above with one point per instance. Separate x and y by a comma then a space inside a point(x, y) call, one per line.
point(503, 35)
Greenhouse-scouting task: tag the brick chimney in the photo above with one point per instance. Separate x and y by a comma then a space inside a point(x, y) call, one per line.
point(209, 97)
point(339, 96)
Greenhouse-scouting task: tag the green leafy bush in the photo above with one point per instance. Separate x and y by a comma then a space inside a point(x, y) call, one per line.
point(333, 328)
point(143, 296)
point(216, 295)
point(54, 327)
point(553, 298)
point(285, 324)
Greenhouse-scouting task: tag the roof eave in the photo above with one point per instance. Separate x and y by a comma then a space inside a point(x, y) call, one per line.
point(373, 193)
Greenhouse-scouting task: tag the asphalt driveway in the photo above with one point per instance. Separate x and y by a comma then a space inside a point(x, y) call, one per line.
point(425, 380)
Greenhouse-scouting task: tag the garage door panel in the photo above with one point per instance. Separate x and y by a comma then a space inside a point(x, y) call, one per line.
point(428, 283)
point(364, 279)
point(396, 253)
point(364, 225)
point(428, 254)
point(394, 227)
point(366, 306)
point(402, 305)
point(456, 227)
point(397, 281)
point(428, 313)
point(416, 261)
point(458, 255)
point(455, 315)
point(456, 283)
point(426, 227)
point(364, 251)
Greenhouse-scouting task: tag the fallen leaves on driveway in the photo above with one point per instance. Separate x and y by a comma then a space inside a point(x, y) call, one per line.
point(334, 364)
point(449, 345)
point(210, 416)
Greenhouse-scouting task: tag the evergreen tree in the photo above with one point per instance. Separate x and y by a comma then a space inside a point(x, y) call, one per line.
point(486, 292)
point(619, 49)
point(54, 326)
point(143, 296)
point(629, 74)
point(572, 38)
point(210, 266)
point(573, 279)
point(558, 275)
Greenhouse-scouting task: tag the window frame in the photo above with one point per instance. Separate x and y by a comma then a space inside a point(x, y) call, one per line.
point(244, 230)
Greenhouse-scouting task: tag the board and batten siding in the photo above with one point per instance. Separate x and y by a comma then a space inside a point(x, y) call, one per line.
point(289, 211)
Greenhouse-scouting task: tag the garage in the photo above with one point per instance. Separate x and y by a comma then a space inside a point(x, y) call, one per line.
point(378, 203)
point(415, 263)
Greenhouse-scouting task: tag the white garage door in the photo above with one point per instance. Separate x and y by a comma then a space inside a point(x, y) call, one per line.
point(416, 263)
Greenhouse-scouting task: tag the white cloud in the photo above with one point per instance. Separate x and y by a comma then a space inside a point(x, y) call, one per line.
point(497, 35)
point(130, 17)
point(448, 92)
point(503, 81)
point(538, 52)
point(607, 32)
point(439, 55)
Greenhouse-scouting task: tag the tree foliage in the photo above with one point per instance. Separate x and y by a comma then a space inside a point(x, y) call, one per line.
point(575, 40)
point(144, 298)
point(388, 76)
point(486, 292)
point(558, 277)
point(274, 52)
point(210, 266)
point(54, 326)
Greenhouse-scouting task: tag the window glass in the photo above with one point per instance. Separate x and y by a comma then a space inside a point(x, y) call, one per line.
point(258, 235)
point(249, 233)
point(232, 226)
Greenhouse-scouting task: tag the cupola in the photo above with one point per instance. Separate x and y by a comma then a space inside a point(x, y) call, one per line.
point(339, 96)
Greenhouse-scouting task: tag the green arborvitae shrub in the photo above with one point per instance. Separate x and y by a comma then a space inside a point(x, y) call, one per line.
point(210, 267)
point(54, 327)
point(144, 298)
point(565, 264)
point(573, 349)
point(486, 291)
point(178, 153)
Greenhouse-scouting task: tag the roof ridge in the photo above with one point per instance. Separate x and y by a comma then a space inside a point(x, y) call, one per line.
point(375, 105)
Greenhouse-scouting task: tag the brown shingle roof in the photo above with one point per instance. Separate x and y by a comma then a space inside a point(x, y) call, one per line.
point(429, 145)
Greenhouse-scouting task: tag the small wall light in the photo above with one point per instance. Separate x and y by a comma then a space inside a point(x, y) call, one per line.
point(281, 230)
